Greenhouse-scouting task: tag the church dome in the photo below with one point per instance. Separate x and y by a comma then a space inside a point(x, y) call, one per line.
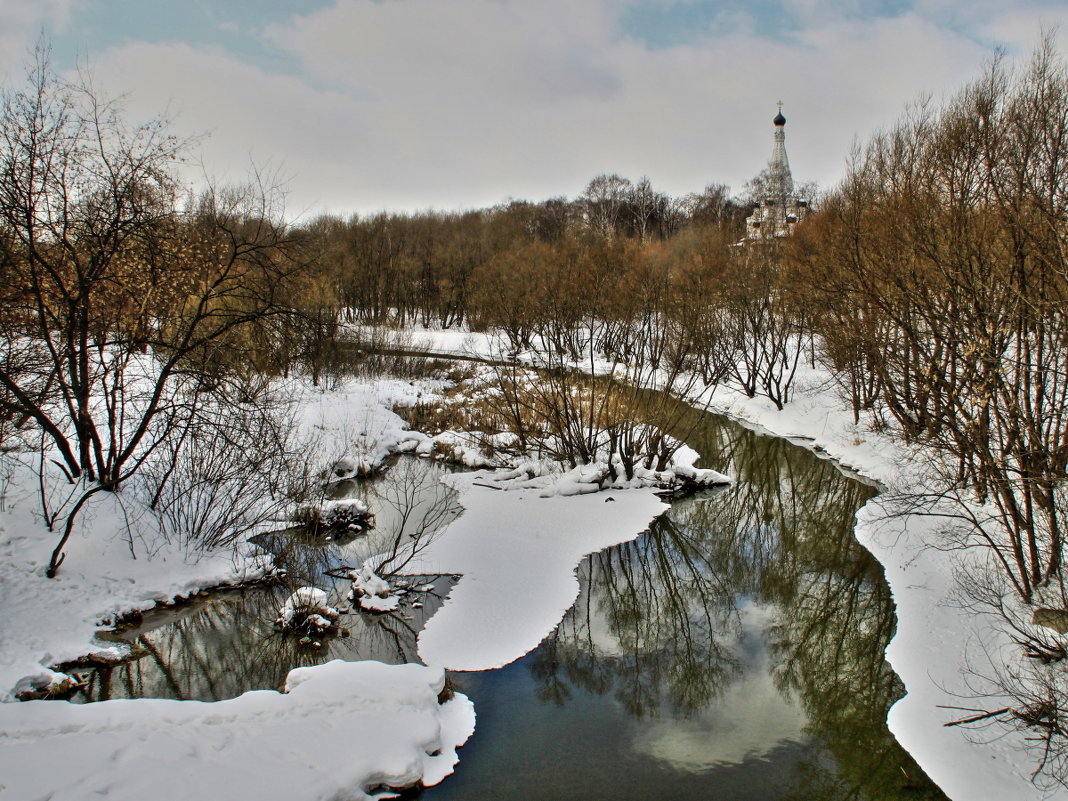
point(779, 120)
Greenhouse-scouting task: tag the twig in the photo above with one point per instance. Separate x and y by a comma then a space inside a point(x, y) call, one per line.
point(977, 718)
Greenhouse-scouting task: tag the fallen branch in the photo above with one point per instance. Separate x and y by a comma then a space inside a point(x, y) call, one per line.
point(977, 718)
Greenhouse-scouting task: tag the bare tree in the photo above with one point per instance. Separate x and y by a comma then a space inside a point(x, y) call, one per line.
point(604, 203)
point(121, 299)
point(941, 268)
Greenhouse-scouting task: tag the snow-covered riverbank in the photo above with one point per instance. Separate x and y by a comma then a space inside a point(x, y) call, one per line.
point(340, 727)
point(515, 565)
point(938, 642)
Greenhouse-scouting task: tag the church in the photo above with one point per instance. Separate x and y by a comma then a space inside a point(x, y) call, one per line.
point(777, 207)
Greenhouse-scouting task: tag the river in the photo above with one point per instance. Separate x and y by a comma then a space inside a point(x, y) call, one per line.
point(733, 651)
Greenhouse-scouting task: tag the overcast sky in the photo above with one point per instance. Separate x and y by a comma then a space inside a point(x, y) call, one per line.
point(409, 104)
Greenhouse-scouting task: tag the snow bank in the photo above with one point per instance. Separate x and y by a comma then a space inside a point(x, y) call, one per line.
point(936, 641)
point(116, 562)
point(341, 729)
point(347, 726)
point(517, 553)
point(357, 426)
point(350, 513)
point(550, 479)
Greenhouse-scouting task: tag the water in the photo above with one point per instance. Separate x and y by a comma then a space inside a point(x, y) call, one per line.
point(226, 644)
point(734, 651)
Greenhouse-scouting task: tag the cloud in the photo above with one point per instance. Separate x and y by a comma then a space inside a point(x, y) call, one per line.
point(749, 720)
point(23, 23)
point(473, 51)
point(243, 116)
point(421, 103)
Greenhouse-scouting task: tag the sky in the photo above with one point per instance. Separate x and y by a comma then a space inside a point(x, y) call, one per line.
point(353, 106)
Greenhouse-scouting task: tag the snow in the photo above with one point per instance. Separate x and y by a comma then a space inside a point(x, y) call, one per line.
point(340, 729)
point(517, 552)
point(354, 421)
point(376, 603)
point(309, 602)
point(346, 726)
point(584, 479)
point(106, 573)
point(330, 512)
point(374, 593)
point(938, 641)
point(366, 581)
point(302, 599)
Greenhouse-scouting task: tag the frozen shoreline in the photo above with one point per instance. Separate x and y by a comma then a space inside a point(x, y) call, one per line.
point(936, 639)
point(341, 727)
point(53, 620)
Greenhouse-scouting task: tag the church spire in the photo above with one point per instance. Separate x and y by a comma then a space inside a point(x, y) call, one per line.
point(776, 207)
point(780, 182)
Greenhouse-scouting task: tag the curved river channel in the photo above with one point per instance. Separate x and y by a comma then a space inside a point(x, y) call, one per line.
point(733, 651)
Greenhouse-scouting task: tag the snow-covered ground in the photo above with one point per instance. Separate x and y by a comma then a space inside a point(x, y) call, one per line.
point(517, 551)
point(109, 570)
point(339, 729)
point(938, 642)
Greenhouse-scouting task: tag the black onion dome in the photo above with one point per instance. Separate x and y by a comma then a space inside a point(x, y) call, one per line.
point(779, 120)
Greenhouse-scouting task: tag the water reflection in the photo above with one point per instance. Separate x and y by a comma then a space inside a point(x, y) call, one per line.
point(226, 644)
point(411, 507)
point(746, 719)
point(733, 651)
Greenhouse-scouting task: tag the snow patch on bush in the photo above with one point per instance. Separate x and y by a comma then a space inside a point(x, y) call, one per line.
point(372, 592)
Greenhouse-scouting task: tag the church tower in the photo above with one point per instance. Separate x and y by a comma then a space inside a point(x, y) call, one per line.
point(777, 208)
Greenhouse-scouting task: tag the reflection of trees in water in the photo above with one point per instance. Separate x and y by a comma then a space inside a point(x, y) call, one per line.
point(411, 507)
point(648, 624)
point(227, 645)
point(222, 646)
point(659, 621)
